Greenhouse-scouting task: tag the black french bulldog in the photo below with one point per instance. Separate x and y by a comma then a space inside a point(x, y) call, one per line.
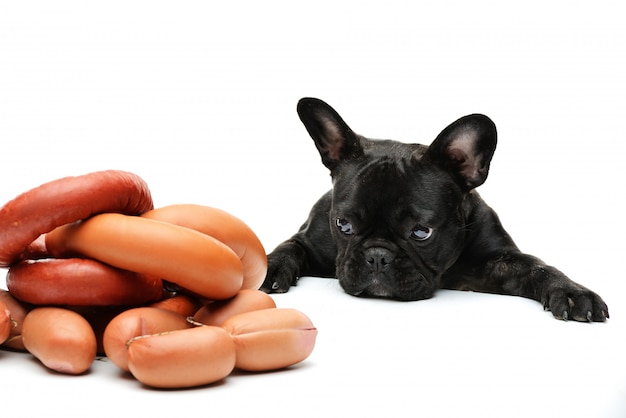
point(403, 220)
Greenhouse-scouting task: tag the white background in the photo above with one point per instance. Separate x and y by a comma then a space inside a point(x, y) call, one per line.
point(199, 99)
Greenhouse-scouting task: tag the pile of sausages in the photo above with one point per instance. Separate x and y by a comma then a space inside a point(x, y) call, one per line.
point(168, 294)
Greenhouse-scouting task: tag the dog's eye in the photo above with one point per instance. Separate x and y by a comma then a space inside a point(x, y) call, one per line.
point(421, 233)
point(344, 226)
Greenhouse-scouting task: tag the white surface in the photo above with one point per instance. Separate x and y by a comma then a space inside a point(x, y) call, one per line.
point(199, 99)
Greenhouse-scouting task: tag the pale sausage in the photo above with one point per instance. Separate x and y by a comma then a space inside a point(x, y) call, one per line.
point(60, 338)
point(224, 227)
point(271, 339)
point(134, 323)
point(191, 259)
point(183, 358)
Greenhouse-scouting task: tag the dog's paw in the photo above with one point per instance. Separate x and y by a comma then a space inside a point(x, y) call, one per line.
point(282, 273)
point(575, 302)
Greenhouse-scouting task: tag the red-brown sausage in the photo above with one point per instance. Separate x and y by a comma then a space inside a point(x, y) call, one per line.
point(135, 323)
point(18, 313)
point(215, 313)
point(226, 228)
point(60, 338)
point(40, 210)
point(272, 338)
point(191, 259)
point(80, 282)
point(183, 358)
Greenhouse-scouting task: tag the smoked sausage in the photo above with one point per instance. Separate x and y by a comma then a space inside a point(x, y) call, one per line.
point(80, 282)
point(193, 260)
point(66, 200)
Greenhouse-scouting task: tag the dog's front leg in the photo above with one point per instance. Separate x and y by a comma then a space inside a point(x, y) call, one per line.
point(531, 278)
point(284, 267)
point(519, 274)
point(310, 252)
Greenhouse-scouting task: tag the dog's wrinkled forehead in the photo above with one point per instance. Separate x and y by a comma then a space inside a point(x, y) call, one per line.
point(388, 183)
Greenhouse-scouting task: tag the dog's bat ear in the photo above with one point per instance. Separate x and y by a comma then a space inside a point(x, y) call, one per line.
point(333, 138)
point(465, 148)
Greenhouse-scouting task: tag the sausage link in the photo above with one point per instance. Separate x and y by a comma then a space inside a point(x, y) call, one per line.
point(60, 338)
point(66, 200)
point(134, 323)
point(224, 227)
point(183, 358)
point(80, 282)
point(270, 339)
point(191, 259)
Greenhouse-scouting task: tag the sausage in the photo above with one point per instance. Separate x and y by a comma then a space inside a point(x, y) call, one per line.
point(271, 339)
point(136, 322)
point(18, 311)
point(185, 305)
point(188, 258)
point(80, 282)
point(6, 325)
point(60, 338)
point(215, 313)
point(184, 358)
point(66, 200)
point(226, 228)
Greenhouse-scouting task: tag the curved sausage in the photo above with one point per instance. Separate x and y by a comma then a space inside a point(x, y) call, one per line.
point(191, 259)
point(271, 339)
point(60, 338)
point(183, 358)
point(6, 325)
point(224, 227)
point(135, 323)
point(80, 282)
point(40, 210)
point(215, 313)
point(18, 313)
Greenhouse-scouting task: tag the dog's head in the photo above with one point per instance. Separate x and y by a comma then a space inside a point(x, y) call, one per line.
point(397, 209)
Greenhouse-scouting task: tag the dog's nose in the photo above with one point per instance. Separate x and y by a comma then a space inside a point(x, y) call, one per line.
point(378, 258)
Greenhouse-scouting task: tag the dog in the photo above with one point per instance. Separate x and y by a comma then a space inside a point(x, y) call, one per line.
point(404, 220)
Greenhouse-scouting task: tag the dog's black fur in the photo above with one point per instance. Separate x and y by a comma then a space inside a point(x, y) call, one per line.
point(403, 220)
